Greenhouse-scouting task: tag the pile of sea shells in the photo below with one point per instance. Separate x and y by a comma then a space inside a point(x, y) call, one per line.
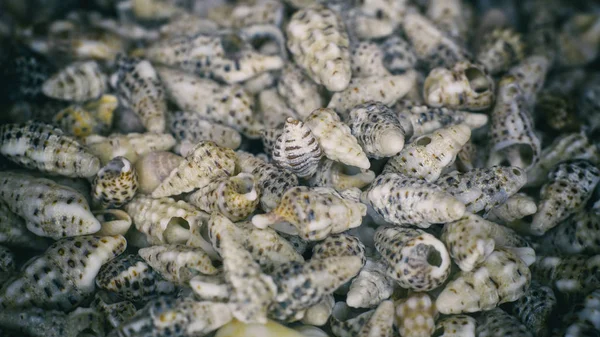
point(293, 168)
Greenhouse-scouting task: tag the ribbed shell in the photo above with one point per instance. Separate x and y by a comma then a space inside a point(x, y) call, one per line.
point(500, 48)
point(131, 146)
point(535, 309)
point(340, 176)
point(77, 82)
point(299, 91)
point(42, 147)
point(297, 149)
point(415, 315)
point(204, 163)
point(178, 263)
point(414, 258)
point(456, 326)
point(371, 286)
point(14, 233)
point(115, 184)
point(49, 209)
point(191, 128)
point(154, 167)
point(497, 323)
point(140, 89)
point(317, 38)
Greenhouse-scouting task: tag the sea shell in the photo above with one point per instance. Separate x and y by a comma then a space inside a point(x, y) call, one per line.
point(36, 322)
point(570, 186)
point(405, 200)
point(7, 263)
point(367, 60)
point(269, 138)
point(339, 245)
point(299, 91)
point(463, 86)
point(512, 136)
point(319, 313)
point(576, 235)
point(454, 17)
point(247, 13)
point(113, 222)
point(414, 258)
point(40, 146)
point(456, 326)
point(132, 279)
point(273, 108)
point(542, 33)
point(380, 323)
point(428, 155)
point(530, 74)
point(346, 323)
point(211, 288)
point(152, 168)
point(497, 322)
point(371, 286)
point(384, 89)
point(63, 276)
point(398, 55)
point(574, 274)
point(191, 128)
point(586, 318)
point(557, 111)
point(14, 233)
point(514, 208)
point(76, 121)
point(154, 9)
point(131, 146)
point(340, 176)
point(336, 139)
point(115, 184)
point(77, 82)
point(49, 209)
point(535, 309)
point(377, 129)
point(317, 38)
point(506, 279)
point(297, 149)
point(178, 263)
point(229, 105)
point(500, 48)
point(204, 163)
point(415, 315)
point(236, 328)
point(312, 214)
point(485, 188)
point(186, 24)
point(140, 89)
point(579, 40)
point(114, 313)
point(373, 19)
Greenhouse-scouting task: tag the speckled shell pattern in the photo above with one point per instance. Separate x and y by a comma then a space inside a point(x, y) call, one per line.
point(498, 322)
point(131, 146)
point(78, 82)
point(456, 326)
point(567, 275)
point(371, 286)
point(115, 184)
point(14, 232)
point(299, 91)
point(500, 49)
point(190, 128)
point(336, 175)
point(297, 149)
point(178, 263)
point(535, 309)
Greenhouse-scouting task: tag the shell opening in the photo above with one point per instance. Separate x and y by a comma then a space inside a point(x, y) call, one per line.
point(423, 141)
point(477, 80)
point(434, 258)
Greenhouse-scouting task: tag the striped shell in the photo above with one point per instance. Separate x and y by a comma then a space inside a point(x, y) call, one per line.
point(297, 149)
point(78, 82)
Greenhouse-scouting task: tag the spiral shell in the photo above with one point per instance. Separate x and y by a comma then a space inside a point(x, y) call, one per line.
point(154, 167)
point(500, 49)
point(535, 308)
point(190, 128)
point(340, 176)
point(297, 149)
point(178, 263)
point(77, 82)
point(115, 184)
point(530, 74)
point(131, 146)
point(398, 55)
point(113, 222)
point(415, 316)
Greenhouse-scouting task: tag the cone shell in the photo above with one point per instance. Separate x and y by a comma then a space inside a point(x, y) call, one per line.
point(190, 128)
point(299, 91)
point(415, 316)
point(76, 121)
point(154, 167)
point(40, 146)
point(297, 149)
point(319, 313)
point(131, 146)
point(339, 245)
point(115, 184)
point(500, 48)
point(514, 208)
point(317, 38)
point(497, 322)
point(178, 263)
point(576, 235)
point(115, 313)
point(456, 326)
point(530, 74)
point(78, 82)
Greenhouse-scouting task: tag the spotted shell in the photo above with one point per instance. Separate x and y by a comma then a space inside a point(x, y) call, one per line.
point(299, 91)
point(190, 128)
point(297, 149)
point(131, 146)
point(115, 184)
point(77, 82)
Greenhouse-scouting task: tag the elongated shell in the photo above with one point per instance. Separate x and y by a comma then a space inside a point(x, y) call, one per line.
point(247, 13)
point(497, 322)
point(191, 128)
point(317, 38)
point(204, 163)
point(371, 286)
point(178, 263)
point(63, 276)
point(514, 208)
point(415, 316)
point(131, 146)
point(530, 74)
point(76, 121)
point(115, 314)
point(49, 209)
point(456, 326)
point(567, 275)
point(576, 235)
point(340, 176)
point(536, 308)
point(506, 279)
point(336, 139)
point(273, 108)
point(14, 232)
point(40, 146)
point(319, 313)
point(297, 149)
point(367, 60)
point(115, 184)
point(500, 49)
point(299, 91)
point(428, 155)
point(154, 167)
point(139, 86)
point(398, 54)
point(78, 82)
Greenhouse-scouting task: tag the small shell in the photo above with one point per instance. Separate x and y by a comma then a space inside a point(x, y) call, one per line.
point(273, 108)
point(76, 121)
point(132, 279)
point(191, 128)
point(377, 130)
point(345, 323)
point(372, 19)
point(530, 74)
point(14, 233)
point(557, 111)
point(536, 308)
point(500, 49)
point(154, 167)
point(417, 260)
point(586, 317)
point(367, 60)
point(113, 222)
point(579, 40)
point(211, 288)
point(236, 197)
point(297, 149)
point(269, 138)
point(384, 89)
point(204, 163)
point(463, 86)
point(317, 38)
point(228, 105)
point(154, 9)
point(78, 82)
point(236, 328)
point(319, 313)
point(114, 313)
point(247, 13)
point(512, 135)
point(300, 286)
point(485, 188)
point(415, 316)
point(428, 155)
point(454, 17)
point(371, 286)
point(503, 277)
point(404, 200)
point(140, 89)
point(514, 208)
point(36, 322)
point(131, 146)
point(115, 184)
point(336, 139)
point(456, 326)
point(339, 245)
point(380, 323)
point(40, 146)
point(312, 213)
point(570, 186)
point(340, 176)
point(497, 323)
point(49, 209)
point(576, 235)
point(299, 91)
point(63, 276)
point(178, 263)
point(398, 55)
point(575, 274)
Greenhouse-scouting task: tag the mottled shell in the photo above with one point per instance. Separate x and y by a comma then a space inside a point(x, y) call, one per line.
point(78, 82)
point(535, 309)
point(140, 89)
point(503, 277)
point(456, 326)
point(247, 13)
point(49, 209)
point(500, 48)
point(42, 147)
point(317, 38)
point(415, 315)
point(154, 167)
point(557, 111)
point(497, 322)
point(131, 146)
point(514, 208)
point(36, 322)
point(269, 138)
point(299, 91)
point(115, 184)
point(340, 176)
point(204, 163)
point(269, 329)
point(381, 322)
point(530, 74)
point(372, 19)
point(367, 60)
point(319, 313)
point(345, 322)
point(377, 129)
point(576, 235)
point(178, 263)
point(190, 128)
point(454, 17)
point(336, 139)
point(14, 232)
point(463, 86)
point(414, 258)
point(312, 213)
point(274, 109)
point(428, 155)
point(574, 274)
point(297, 149)
point(398, 55)
point(371, 286)
point(115, 314)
